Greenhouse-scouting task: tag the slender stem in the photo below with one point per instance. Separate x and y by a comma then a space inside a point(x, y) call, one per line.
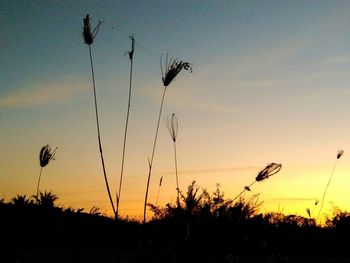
point(177, 179)
point(243, 191)
point(126, 130)
point(37, 188)
point(158, 195)
point(98, 132)
point(325, 191)
point(151, 162)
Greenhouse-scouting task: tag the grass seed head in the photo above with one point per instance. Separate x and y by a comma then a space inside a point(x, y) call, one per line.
point(340, 153)
point(172, 68)
point(89, 35)
point(46, 155)
point(308, 211)
point(269, 170)
point(172, 126)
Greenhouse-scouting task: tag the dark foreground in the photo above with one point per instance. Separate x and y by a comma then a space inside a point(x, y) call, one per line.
point(206, 229)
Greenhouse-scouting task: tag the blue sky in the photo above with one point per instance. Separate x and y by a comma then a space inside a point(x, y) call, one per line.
point(269, 83)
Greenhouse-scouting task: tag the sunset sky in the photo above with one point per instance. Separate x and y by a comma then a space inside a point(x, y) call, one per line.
point(270, 83)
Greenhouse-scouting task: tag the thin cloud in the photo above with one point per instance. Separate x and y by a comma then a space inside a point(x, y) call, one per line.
point(43, 94)
point(209, 170)
point(188, 98)
point(293, 199)
point(336, 60)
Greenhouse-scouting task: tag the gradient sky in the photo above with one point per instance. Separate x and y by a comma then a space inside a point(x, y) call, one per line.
point(269, 84)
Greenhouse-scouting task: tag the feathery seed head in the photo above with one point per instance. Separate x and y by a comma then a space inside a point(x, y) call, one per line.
point(46, 155)
point(172, 68)
point(172, 126)
point(89, 35)
point(131, 52)
point(269, 170)
point(308, 211)
point(340, 153)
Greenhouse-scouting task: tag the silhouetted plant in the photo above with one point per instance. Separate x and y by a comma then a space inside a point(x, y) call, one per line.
point(171, 70)
point(131, 57)
point(45, 156)
point(311, 212)
point(46, 199)
point(159, 212)
point(269, 170)
point(243, 209)
point(173, 126)
point(340, 219)
point(192, 199)
point(21, 201)
point(89, 37)
point(214, 205)
point(95, 211)
point(339, 154)
point(159, 186)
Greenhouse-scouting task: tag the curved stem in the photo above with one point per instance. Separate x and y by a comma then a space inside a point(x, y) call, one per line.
point(37, 187)
point(151, 162)
point(98, 132)
point(125, 133)
point(325, 191)
point(243, 191)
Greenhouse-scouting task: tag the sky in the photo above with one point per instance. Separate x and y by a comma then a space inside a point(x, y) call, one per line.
point(269, 84)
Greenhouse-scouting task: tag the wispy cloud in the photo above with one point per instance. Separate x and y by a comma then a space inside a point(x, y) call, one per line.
point(193, 98)
point(292, 199)
point(43, 94)
point(336, 60)
point(251, 62)
point(209, 170)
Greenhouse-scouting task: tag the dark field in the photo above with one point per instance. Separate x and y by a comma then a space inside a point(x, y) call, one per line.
point(206, 229)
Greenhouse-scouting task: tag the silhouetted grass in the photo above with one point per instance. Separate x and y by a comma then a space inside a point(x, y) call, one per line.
point(131, 57)
point(269, 170)
point(339, 154)
point(89, 37)
point(173, 126)
point(171, 69)
point(45, 156)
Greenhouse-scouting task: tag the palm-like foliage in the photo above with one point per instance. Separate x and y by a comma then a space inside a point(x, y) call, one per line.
point(45, 156)
point(171, 69)
point(89, 37)
point(192, 198)
point(21, 201)
point(46, 199)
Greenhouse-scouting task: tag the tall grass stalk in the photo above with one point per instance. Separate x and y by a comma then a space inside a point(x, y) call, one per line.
point(171, 69)
point(339, 154)
point(89, 37)
point(159, 186)
point(131, 57)
point(269, 170)
point(173, 126)
point(45, 156)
